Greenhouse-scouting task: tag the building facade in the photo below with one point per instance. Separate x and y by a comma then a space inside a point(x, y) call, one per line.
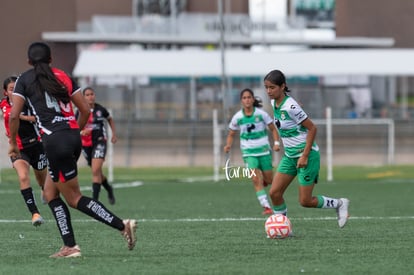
point(165, 113)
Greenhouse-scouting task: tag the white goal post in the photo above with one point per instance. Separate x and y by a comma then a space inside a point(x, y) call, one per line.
point(217, 129)
point(329, 122)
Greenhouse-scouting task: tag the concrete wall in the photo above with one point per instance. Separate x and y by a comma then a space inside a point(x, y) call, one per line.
point(22, 22)
point(376, 18)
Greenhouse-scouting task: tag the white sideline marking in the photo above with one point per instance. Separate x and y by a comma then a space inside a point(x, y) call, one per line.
point(201, 179)
point(264, 218)
point(117, 185)
point(86, 188)
point(234, 219)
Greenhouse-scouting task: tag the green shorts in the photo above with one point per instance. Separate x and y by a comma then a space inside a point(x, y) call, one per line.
point(307, 175)
point(263, 163)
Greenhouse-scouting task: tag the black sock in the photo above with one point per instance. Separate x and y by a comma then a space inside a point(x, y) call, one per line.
point(96, 188)
point(29, 200)
point(105, 184)
point(98, 211)
point(62, 216)
point(109, 189)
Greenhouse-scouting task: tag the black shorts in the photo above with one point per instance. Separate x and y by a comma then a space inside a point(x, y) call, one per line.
point(63, 149)
point(97, 151)
point(34, 155)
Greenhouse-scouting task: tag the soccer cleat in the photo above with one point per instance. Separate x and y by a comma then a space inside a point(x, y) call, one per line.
point(342, 212)
point(37, 219)
point(267, 211)
point(111, 197)
point(129, 233)
point(67, 252)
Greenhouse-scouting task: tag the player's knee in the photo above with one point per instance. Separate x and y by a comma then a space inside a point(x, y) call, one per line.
point(275, 194)
point(24, 180)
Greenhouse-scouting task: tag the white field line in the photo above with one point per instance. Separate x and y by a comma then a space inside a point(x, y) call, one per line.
point(234, 219)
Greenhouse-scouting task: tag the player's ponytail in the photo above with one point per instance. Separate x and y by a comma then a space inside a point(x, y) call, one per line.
point(39, 55)
point(258, 102)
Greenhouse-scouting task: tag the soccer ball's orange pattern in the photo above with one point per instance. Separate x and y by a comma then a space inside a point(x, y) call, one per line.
point(278, 226)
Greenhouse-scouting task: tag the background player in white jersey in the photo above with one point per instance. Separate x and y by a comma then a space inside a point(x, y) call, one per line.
point(301, 157)
point(253, 124)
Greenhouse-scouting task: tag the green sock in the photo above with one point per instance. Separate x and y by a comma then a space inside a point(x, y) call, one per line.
point(280, 209)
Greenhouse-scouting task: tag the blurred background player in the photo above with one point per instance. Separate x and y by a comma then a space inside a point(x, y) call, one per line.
point(302, 157)
point(253, 124)
point(94, 143)
point(50, 93)
point(31, 150)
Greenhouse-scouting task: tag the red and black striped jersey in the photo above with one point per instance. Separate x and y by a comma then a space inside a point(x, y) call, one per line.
point(96, 123)
point(27, 135)
point(51, 115)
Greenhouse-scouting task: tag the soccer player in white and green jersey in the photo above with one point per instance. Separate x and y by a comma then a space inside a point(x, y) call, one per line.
point(253, 124)
point(302, 157)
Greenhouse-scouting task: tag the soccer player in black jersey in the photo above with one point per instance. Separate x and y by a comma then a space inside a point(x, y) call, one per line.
point(31, 151)
point(94, 143)
point(50, 92)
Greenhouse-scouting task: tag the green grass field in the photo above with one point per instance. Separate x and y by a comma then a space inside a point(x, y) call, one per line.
point(191, 225)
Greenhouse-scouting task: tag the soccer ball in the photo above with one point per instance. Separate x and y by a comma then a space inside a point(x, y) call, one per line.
point(278, 226)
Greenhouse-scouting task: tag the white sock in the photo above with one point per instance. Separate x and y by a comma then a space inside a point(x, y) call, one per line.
point(330, 202)
point(263, 201)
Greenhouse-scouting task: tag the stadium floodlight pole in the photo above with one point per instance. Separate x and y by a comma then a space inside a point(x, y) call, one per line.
point(173, 16)
point(217, 128)
point(223, 60)
point(292, 11)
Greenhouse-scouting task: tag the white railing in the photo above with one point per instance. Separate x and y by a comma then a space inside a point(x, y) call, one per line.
point(328, 122)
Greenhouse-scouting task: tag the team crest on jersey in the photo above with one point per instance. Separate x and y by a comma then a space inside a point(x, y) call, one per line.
point(256, 119)
point(99, 113)
point(282, 115)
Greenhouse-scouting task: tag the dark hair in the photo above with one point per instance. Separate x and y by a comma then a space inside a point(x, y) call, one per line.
point(39, 55)
point(277, 78)
point(9, 80)
point(257, 100)
point(87, 88)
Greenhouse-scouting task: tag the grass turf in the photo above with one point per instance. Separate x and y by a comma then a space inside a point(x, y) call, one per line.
point(206, 227)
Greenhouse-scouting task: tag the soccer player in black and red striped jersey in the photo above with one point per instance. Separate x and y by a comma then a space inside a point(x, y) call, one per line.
point(31, 151)
point(94, 143)
point(50, 92)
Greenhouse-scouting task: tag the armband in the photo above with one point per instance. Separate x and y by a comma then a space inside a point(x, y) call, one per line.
point(277, 143)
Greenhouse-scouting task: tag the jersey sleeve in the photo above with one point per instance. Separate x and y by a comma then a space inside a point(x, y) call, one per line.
point(267, 118)
point(296, 112)
point(105, 113)
point(233, 125)
point(66, 80)
point(20, 87)
point(75, 86)
point(3, 104)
